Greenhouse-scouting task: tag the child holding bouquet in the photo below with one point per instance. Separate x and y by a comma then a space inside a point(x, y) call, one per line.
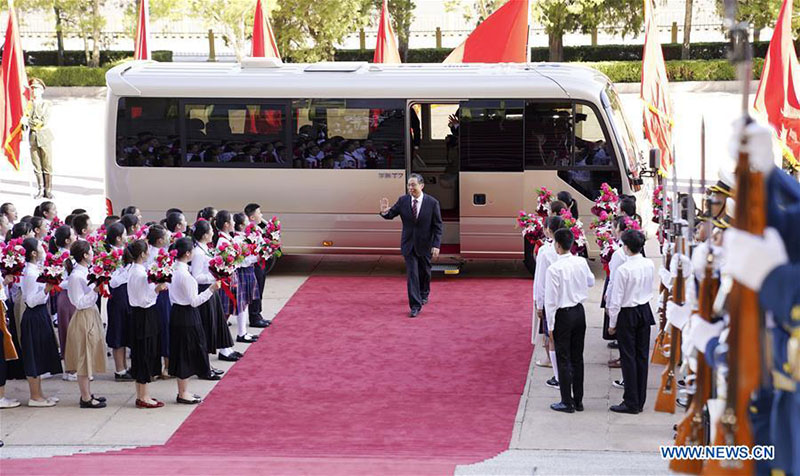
point(145, 328)
point(157, 240)
point(212, 316)
point(257, 226)
point(37, 340)
point(117, 307)
point(189, 355)
point(245, 290)
point(86, 351)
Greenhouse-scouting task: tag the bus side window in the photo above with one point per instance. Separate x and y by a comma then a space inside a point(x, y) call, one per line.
point(548, 134)
point(236, 134)
point(147, 132)
point(491, 136)
point(348, 134)
point(594, 161)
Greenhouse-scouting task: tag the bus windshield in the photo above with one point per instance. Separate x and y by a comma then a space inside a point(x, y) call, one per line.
point(611, 99)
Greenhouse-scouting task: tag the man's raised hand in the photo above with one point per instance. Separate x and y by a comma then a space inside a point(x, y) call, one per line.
point(384, 205)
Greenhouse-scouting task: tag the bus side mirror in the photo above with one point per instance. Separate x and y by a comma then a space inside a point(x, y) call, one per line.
point(653, 164)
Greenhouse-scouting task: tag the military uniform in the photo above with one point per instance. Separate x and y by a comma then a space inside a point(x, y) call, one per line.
point(41, 140)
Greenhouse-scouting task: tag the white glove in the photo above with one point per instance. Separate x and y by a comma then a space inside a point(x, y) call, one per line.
point(761, 146)
point(755, 256)
point(666, 278)
point(685, 261)
point(678, 315)
point(702, 332)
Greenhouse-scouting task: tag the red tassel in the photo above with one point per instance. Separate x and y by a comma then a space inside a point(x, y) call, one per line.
point(226, 287)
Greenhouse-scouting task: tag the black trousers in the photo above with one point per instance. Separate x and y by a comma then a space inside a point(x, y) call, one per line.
point(569, 333)
point(254, 310)
point(633, 336)
point(418, 279)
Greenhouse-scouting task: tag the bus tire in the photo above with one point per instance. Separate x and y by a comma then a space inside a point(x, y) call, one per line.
point(529, 260)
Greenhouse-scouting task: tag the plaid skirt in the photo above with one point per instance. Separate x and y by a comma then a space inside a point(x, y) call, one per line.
point(246, 291)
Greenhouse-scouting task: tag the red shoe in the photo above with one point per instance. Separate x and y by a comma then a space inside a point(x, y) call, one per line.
point(143, 404)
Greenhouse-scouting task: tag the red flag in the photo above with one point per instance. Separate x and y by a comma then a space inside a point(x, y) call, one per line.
point(501, 38)
point(655, 92)
point(16, 91)
point(386, 50)
point(141, 47)
point(777, 93)
point(264, 44)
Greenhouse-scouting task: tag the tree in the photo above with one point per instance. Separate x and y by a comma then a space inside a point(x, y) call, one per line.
point(232, 18)
point(761, 14)
point(474, 10)
point(402, 14)
point(687, 30)
point(313, 34)
point(622, 17)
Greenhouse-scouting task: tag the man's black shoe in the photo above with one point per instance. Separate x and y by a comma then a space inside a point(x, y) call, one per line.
point(414, 313)
point(613, 345)
point(126, 377)
point(424, 301)
point(260, 323)
point(211, 376)
point(228, 358)
point(562, 407)
point(624, 408)
point(238, 354)
point(217, 371)
point(579, 407)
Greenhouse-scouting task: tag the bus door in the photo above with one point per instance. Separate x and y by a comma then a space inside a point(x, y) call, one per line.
point(433, 153)
point(491, 150)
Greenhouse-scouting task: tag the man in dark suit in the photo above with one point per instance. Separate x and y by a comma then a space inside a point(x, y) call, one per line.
point(421, 239)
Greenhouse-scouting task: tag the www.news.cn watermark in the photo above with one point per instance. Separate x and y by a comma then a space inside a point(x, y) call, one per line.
point(718, 452)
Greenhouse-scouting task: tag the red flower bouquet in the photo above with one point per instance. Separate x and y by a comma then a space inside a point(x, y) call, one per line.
point(12, 258)
point(272, 239)
point(103, 266)
point(607, 202)
point(97, 240)
point(53, 270)
point(161, 270)
point(175, 236)
point(227, 256)
point(576, 227)
point(54, 226)
point(543, 199)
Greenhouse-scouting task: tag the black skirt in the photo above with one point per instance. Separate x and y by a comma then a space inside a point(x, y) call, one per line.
point(119, 315)
point(14, 369)
point(39, 346)
point(163, 308)
point(145, 342)
point(188, 354)
point(215, 325)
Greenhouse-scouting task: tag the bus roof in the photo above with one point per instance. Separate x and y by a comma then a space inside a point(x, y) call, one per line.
point(254, 79)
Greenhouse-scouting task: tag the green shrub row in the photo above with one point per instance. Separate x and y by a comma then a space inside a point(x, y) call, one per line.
point(78, 57)
point(672, 51)
point(677, 71)
point(69, 75)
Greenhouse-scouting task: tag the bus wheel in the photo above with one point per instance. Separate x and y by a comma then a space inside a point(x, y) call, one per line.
point(529, 260)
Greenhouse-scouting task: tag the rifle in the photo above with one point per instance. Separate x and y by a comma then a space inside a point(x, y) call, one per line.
point(744, 344)
point(665, 401)
point(691, 430)
point(662, 339)
point(9, 352)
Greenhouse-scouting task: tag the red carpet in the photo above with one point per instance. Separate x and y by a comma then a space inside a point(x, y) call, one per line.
point(354, 387)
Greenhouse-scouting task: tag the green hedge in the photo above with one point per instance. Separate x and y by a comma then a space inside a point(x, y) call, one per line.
point(78, 57)
point(677, 71)
point(69, 75)
point(672, 51)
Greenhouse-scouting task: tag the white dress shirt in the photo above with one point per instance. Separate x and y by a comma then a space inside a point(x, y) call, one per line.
point(152, 253)
point(633, 285)
point(33, 292)
point(120, 275)
point(546, 256)
point(141, 293)
point(80, 294)
point(419, 203)
point(184, 288)
point(199, 269)
point(567, 284)
point(617, 258)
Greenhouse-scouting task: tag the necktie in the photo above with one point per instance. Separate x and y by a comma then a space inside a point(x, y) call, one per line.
point(414, 208)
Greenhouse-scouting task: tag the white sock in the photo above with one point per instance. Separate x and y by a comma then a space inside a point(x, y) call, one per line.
point(241, 320)
point(227, 351)
point(553, 360)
